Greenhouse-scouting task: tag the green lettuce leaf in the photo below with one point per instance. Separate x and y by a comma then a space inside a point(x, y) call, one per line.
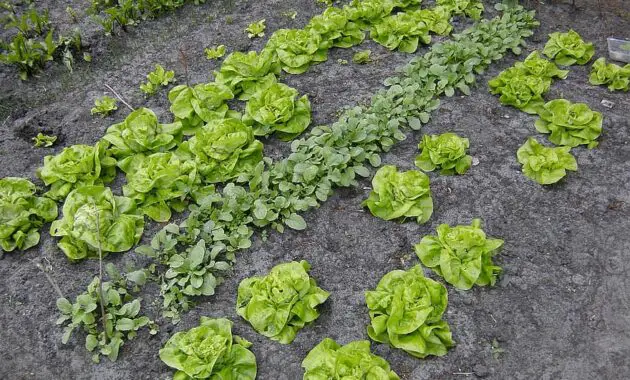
point(568, 48)
point(158, 182)
point(462, 255)
point(406, 311)
point(536, 65)
point(367, 12)
point(209, 351)
point(570, 124)
point(520, 89)
point(76, 166)
point(246, 73)
point(22, 214)
point(335, 29)
point(281, 303)
point(330, 360)
point(543, 164)
point(470, 8)
point(278, 109)
point(89, 210)
point(437, 19)
point(297, 49)
point(222, 150)
point(141, 132)
point(446, 151)
point(616, 77)
point(402, 31)
point(400, 194)
point(203, 103)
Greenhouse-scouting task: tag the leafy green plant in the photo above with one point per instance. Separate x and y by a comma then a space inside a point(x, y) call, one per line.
point(215, 52)
point(330, 360)
point(222, 150)
point(362, 57)
point(76, 166)
point(122, 318)
point(104, 106)
point(367, 12)
point(568, 48)
point(536, 65)
point(209, 351)
point(42, 140)
point(437, 19)
point(141, 132)
point(520, 90)
point(335, 29)
point(245, 73)
point(94, 219)
point(570, 124)
point(543, 164)
point(203, 103)
point(281, 303)
point(400, 194)
point(471, 8)
point(28, 54)
point(402, 31)
point(277, 109)
point(22, 214)
point(156, 78)
point(616, 77)
point(158, 183)
point(297, 49)
point(406, 311)
point(462, 255)
point(446, 151)
point(256, 29)
point(31, 23)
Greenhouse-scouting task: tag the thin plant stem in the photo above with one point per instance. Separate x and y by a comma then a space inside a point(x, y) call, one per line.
point(119, 97)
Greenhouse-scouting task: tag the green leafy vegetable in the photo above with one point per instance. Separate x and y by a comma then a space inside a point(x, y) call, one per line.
point(245, 73)
point(471, 8)
point(446, 151)
point(222, 150)
point(520, 90)
point(367, 12)
point(122, 316)
point(568, 48)
point(297, 49)
point(93, 217)
point(42, 140)
point(616, 77)
point(543, 164)
point(362, 57)
point(158, 182)
point(281, 303)
point(400, 194)
point(156, 78)
point(570, 124)
point(406, 311)
point(437, 19)
point(75, 166)
point(335, 29)
point(278, 109)
point(28, 54)
point(141, 132)
point(215, 52)
point(462, 255)
point(209, 351)
point(536, 65)
point(402, 31)
point(203, 103)
point(22, 214)
point(104, 106)
point(256, 29)
point(330, 360)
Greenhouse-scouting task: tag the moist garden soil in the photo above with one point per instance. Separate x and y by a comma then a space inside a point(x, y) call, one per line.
point(561, 309)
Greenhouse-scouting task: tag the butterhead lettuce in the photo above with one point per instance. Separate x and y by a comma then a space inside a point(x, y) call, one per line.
point(462, 255)
point(568, 48)
point(406, 311)
point(543, 164)
point(281, 303)
point(446, 151)
point(570, 124)
point(203, 103)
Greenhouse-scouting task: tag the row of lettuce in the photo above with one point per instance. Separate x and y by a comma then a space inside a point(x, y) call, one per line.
point(568, 124)
point(200, 251)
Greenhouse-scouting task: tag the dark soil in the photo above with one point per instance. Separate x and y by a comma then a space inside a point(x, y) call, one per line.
point(560, 311)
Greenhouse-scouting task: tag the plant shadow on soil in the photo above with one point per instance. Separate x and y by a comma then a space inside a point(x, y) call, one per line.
point(561, 309)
